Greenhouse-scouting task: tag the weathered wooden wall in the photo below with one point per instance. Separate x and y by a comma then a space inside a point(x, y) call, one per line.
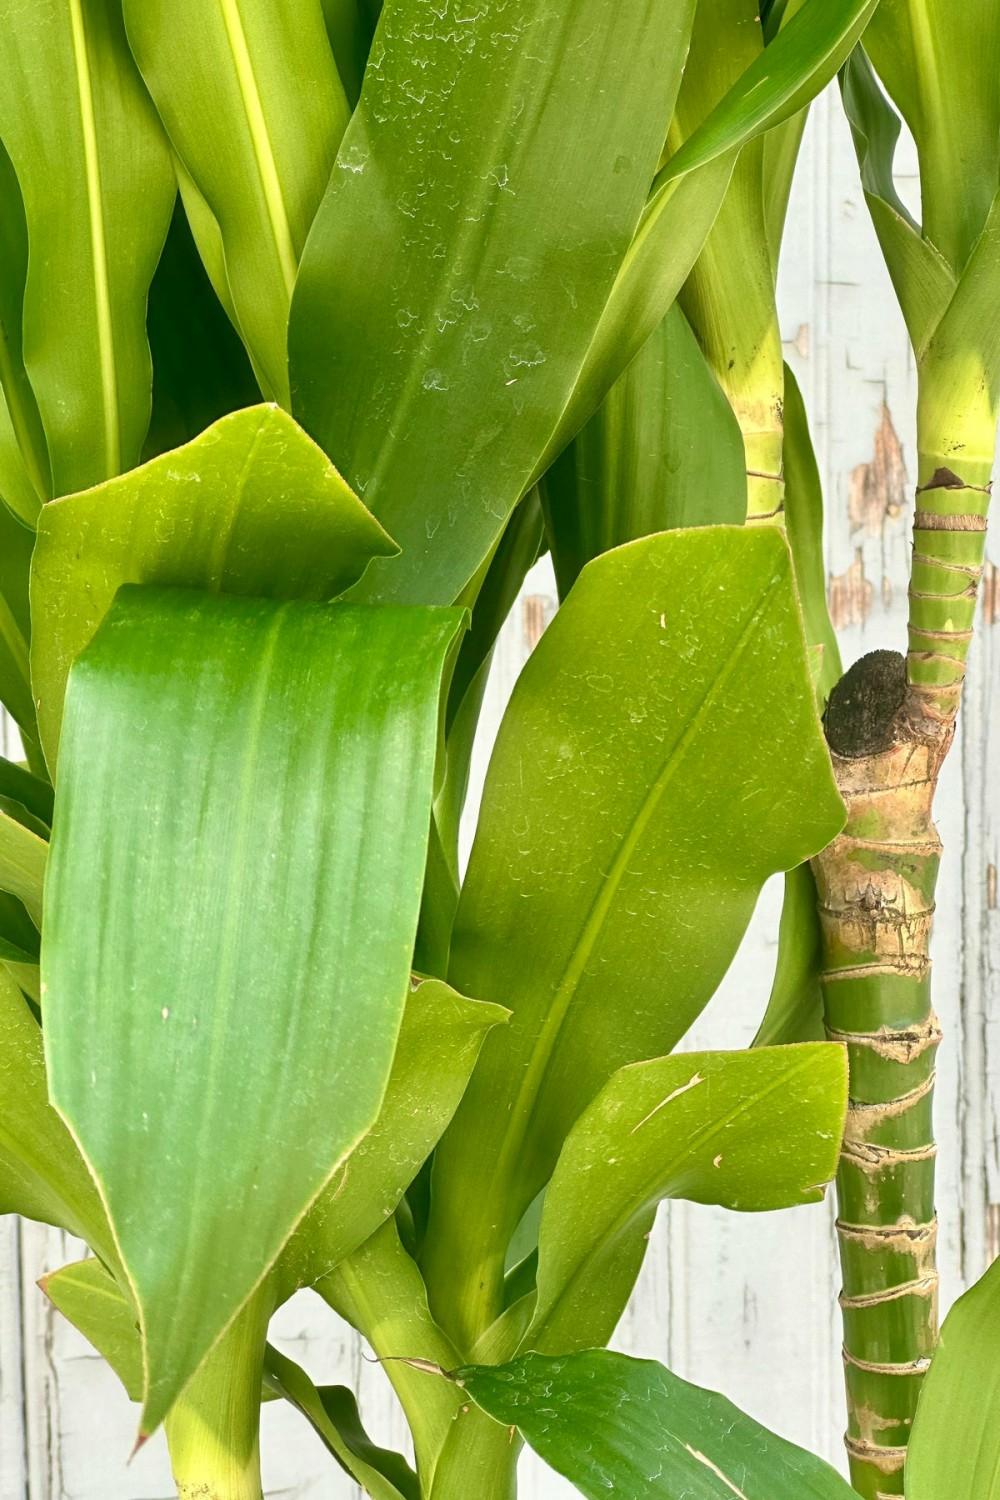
point(741, 1303)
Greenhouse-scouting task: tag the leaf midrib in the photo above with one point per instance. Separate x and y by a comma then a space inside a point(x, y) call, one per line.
point(98, 241)
point(260, 138)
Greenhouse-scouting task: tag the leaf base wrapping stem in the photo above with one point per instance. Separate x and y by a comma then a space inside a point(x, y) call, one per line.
point(213, 1431)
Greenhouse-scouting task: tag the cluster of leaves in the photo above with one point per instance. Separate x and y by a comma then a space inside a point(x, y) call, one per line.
point(313, 336)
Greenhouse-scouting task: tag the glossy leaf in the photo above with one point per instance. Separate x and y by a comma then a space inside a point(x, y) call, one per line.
point(688, 192)
point(751, 1131)
point(629, 1427)
point(252, 506)
point(98, 190)
point(664, 451)
point(597, 855)
point(455, 275)
point(439, 1042)
point(255, 109)
point(240, 827)
point(42, 1174)
point(954, 1449)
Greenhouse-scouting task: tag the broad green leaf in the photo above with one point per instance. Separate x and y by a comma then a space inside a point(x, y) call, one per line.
point(923, 280)
point(751, 1131)
point(23, 854)
point(939, 63)
point(24, 464)
point(663, 451)
point(439, 1041)
point(252, 506)
point(629, 1427)
point(90, 1298)
point(240, 828)
point(599, 856)
point(200, 368)
point(42, 1174)
point(98, 189)
point(250, 96)
point(455, 274)
point(954, 1449)
point(688, 192)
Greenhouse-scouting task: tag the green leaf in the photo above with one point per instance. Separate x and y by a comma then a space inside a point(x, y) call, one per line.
point(250, 96)
point(98, 189)
point(440, 1039)
point(923, 280)
point(200, 368)
point(611, 1424)
point(801, 60)
point(939, 63)
point(663, 451)
point(23, 854)
point(19, 785)
point(350, 31)
point(18, 934)
point(89, 1297)
point(24, 465)
point(16, 543)
point(676, 762)
point(518, 550)
point(42, 1175)
point(241, 825)
point(804, 518)
point(954, 1449)
point(455, 274)
point(751, 1131)
point(795, 1006)
point(252, 506)
point(688, 191)
point(333, 1413)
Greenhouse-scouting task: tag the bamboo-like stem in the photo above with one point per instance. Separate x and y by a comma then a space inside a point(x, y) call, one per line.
point(213, 1432)
point(890, 725)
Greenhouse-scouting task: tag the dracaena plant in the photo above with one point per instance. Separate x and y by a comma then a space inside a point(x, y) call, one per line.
point(320, 322)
